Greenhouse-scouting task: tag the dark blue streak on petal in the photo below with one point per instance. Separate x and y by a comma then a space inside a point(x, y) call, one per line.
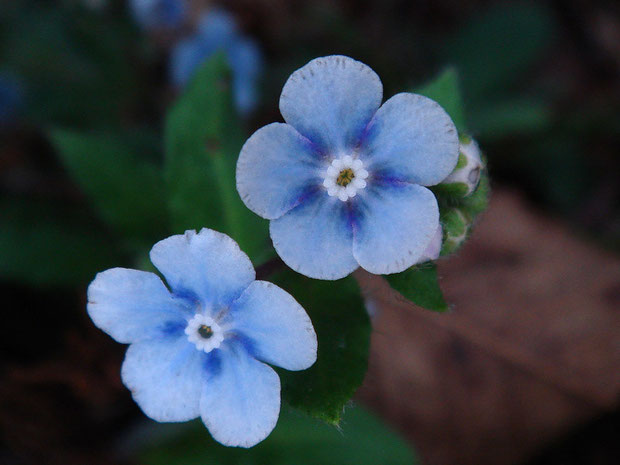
point(212, 363)
point(245, 343)
point(172, 328)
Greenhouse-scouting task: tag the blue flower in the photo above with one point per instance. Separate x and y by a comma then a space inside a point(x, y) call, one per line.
point(200, 348)
point(218, 31)
point(158, 14)
point(10, 96)
point(343, 181)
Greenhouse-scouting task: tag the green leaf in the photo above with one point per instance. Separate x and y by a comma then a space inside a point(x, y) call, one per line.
point(445, 90)
point(343, 329)
point(79, 68)
point(510, 117)
point(420, 285)
point(297, 439)
point(203, 141)
point(43, 244)
point(496, 47)
point(125, 187)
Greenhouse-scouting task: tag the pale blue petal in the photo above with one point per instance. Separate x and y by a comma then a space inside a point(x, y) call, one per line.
point(279, 329)
point(411, 138)
point(394, 226)
point(185, 57)
point(315, 238)
point(218, 25)
point(165, 377)
point(132, 305)
point(246, 63)
point(276, 167)
point(331, 100)
point(158, 13)
point(240, 400)
point(217, 30)
point(208, 266)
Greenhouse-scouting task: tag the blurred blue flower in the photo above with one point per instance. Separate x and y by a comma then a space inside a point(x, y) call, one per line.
point(158, 14)
point(201, 348)
point(218, 31)
point(342, 181)
point(10, 97)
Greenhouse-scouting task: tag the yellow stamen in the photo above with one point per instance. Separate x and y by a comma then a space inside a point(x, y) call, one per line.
point(345, 177)
point(205, 331)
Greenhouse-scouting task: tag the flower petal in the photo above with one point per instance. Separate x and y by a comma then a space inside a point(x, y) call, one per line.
point(331, 100)
point(246, 62)
point(315, 238)
point(185, 57)
point(240, 401)
point(411, 138)
point(276, 166)
point(280, 330)
point(208, 266)
point(165, 377)
point(132, 305)
point(395, 225)
point(433, 248)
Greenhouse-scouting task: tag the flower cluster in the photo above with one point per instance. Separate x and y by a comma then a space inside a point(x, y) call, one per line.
point(201, 347)
point(342, 181)
point(344, 184)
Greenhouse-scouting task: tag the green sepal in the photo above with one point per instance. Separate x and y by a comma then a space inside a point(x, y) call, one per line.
point(455, 190)
point(457, 216)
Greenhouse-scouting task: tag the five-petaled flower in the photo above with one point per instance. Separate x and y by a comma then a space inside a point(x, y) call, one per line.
point(201, 348)
point(342, 180)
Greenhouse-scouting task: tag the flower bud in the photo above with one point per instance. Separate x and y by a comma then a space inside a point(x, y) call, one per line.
point(456, 224)
point(466, 175)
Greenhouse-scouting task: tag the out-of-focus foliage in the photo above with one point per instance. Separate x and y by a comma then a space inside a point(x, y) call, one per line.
point(44, 244)
point(203, 140)
point(76, 64)
point(445, 90)
point(124, 184)
point(298, 440)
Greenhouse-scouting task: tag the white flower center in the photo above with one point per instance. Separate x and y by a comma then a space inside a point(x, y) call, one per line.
point(344, 177)
point(204, 332)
